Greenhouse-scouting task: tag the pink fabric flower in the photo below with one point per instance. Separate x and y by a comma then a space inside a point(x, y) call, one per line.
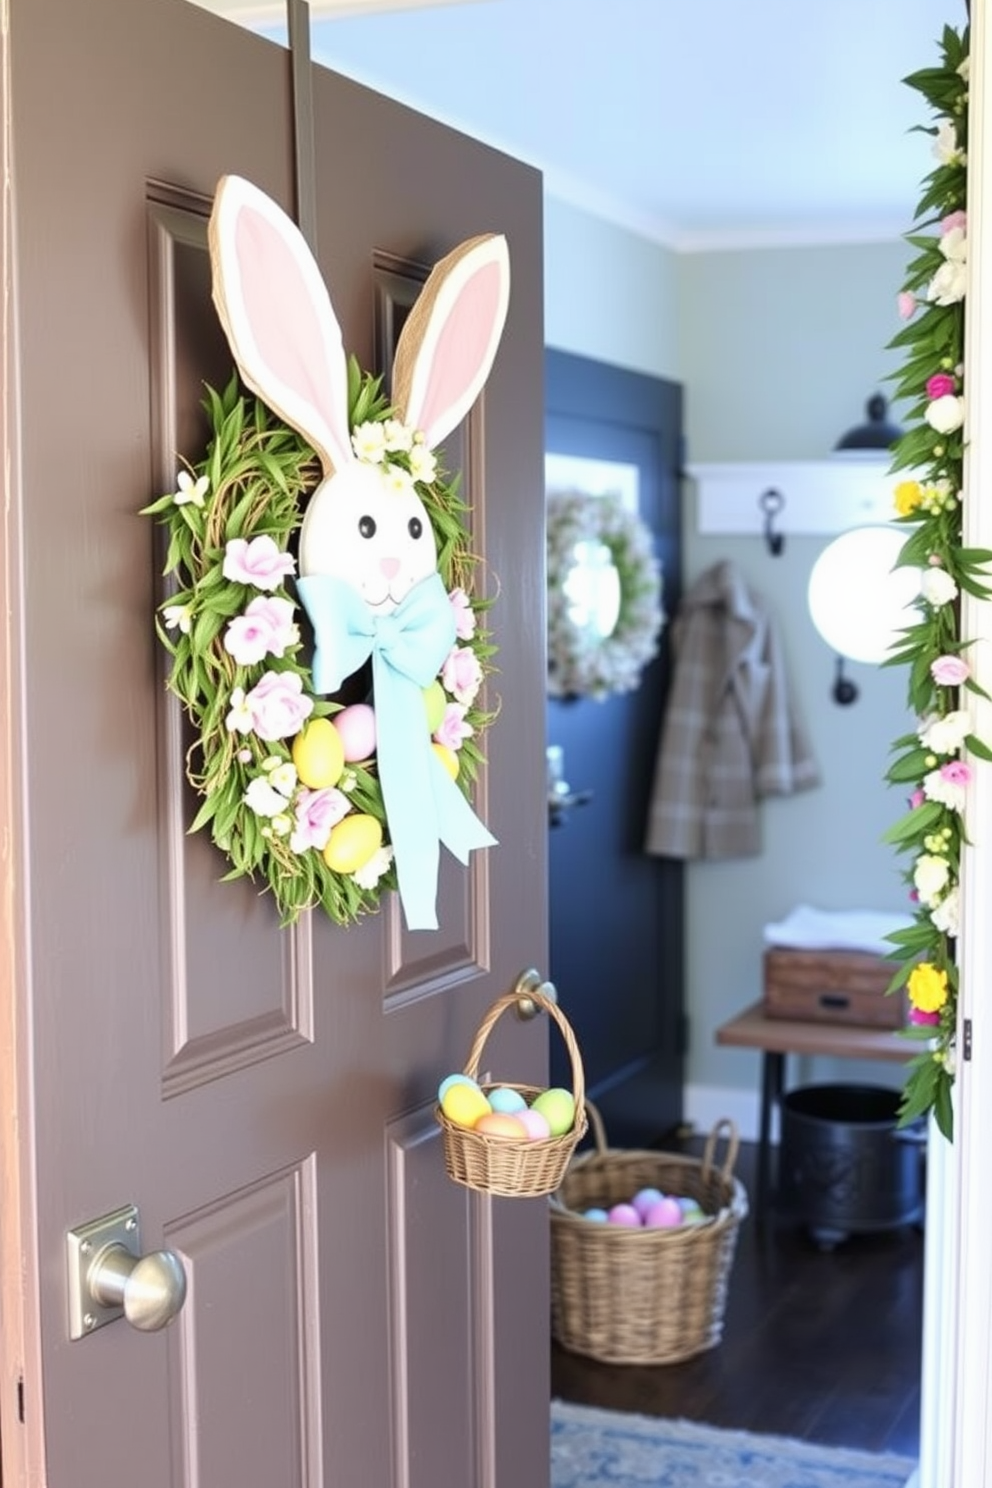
point(916, 799)
point(953, 220)
point(949, 671)
point(906, 304)
point(258, 562)
point(277, 705)
point(317, 811)
point(462, 674)
point(940, 385)
point(265, 629)
point(926, 1020)
point(956, 772)
point(453, 729)
point(464, 614)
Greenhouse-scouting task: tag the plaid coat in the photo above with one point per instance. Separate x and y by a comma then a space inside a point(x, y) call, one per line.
point(730, 734)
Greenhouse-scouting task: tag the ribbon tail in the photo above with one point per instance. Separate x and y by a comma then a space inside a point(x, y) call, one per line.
point(458, 826)
point(405, 775)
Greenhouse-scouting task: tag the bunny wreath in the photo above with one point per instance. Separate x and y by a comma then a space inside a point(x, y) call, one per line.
point(291, 792)
point(932, 760)
point(584, 666)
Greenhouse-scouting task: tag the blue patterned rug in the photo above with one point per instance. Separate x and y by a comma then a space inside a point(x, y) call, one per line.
point(609, 1449)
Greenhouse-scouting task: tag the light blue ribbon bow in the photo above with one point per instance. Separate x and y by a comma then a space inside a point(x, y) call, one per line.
point(424, 806)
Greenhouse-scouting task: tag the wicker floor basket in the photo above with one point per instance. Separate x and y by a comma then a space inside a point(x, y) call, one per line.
point(643, 1296)
point(503, 1165)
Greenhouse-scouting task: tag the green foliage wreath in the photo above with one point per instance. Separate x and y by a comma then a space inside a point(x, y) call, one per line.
point(249, 491)
point(932, 763)
point(580, 663)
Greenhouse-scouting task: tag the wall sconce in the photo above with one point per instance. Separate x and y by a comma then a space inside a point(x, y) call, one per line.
point(859, 600)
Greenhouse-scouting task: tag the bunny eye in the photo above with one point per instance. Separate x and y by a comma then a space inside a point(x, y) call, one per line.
point(366, 526)
point(415, 527)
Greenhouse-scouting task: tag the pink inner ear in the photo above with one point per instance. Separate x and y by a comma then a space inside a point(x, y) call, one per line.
point(283, 321)
point(462, 344)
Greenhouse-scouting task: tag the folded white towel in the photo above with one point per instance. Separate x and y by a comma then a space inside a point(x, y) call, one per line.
point(808, 929)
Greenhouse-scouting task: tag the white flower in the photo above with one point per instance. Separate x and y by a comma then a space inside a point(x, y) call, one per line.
point(949, 793)
point(398, 482)
point(930, 877)
point(423, 465)
point(947, 915)
point(178, 615)
point(946, 735)
point(954, 244)
point(937, 587)
point(370, 873)
point(282, 825)
point(945, 414)
point(240, 717)
point(368, 442)
point(348, 782)
point(244, 756)
point(282, 776)
point(964, 69)
point(949, 284)
point(397, 435)
point(945, 146)
point(263, 800)
point(190, 492)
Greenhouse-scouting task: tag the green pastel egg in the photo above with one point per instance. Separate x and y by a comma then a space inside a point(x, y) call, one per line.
point(557, 1106)
point(434, 702)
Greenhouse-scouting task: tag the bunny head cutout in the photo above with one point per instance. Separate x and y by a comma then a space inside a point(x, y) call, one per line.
point(365, 523)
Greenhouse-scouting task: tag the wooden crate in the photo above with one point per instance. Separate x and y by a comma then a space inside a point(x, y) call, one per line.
point(831, 987)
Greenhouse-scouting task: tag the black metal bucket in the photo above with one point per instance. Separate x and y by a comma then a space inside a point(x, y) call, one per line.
point(844, 1166)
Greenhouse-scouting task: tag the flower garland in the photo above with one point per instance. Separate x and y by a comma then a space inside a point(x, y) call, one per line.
point(933, 761)
point(580, 663)
point(288, 778)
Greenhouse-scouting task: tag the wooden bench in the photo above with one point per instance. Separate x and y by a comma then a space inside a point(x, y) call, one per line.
point(777, 1037)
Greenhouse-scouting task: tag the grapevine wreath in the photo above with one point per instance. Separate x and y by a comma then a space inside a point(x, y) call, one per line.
point(324, 635)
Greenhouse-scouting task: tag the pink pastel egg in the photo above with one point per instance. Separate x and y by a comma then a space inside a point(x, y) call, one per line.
point(356, 725)
point(664, 1215)
point(624, 1214)
point(501, 1124)
point(536, 1124)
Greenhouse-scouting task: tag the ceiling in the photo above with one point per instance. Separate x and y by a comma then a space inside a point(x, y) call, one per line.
point(698, 124)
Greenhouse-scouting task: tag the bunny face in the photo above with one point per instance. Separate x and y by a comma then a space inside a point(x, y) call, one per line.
point(367, 526)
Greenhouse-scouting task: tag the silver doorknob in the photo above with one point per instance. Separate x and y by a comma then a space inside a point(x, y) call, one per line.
point(109, 1278)
point(531, 981)
point(151, 1289)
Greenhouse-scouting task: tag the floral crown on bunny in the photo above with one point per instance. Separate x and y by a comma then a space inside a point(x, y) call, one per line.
point(321, 492)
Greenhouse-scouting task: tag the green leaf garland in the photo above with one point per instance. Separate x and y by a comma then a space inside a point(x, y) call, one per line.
point(934, 760)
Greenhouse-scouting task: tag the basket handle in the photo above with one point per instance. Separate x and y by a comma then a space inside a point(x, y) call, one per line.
point(510, 999)
point(723, 1126)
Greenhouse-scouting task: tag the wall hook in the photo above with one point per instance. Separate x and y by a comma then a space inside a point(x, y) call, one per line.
point(844, 690)
point(771, 502)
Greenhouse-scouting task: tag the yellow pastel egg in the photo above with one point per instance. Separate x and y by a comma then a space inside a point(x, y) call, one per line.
point(318, 754)
point(352, 842)
point(464, 1104)
point(448, 758)
point(502, 1124)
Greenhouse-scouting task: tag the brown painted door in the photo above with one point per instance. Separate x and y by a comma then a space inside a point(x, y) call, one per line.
point(264, 1096)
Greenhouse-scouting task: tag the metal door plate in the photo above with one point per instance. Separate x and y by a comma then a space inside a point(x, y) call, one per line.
point(82, 1245)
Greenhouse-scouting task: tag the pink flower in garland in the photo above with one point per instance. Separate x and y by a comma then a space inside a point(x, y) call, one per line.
point(941, 385)
point(949, 671)
point(906, 304)
point(953, 220)
point(922, 1019)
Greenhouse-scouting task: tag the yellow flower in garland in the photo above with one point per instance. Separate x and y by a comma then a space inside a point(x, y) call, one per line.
point(927, 987)
point(908, 495)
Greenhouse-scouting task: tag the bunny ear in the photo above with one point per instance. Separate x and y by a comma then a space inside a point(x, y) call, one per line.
point(449, 341)
point(278, 317)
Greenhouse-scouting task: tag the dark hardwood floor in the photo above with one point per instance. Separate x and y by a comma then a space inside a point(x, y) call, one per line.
point(820, 1345)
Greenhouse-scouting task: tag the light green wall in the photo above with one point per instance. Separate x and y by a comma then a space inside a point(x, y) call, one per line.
point(777, 350)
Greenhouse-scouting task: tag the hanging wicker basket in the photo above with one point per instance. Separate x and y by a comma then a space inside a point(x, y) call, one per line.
point(503, 1165)
point(643, 1296)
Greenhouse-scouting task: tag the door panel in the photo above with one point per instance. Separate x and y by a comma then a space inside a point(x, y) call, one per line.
point(264, 1096)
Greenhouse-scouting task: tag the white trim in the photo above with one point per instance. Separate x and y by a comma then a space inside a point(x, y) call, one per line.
point(970, 1364)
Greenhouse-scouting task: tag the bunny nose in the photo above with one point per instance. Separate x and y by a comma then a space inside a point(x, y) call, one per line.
point(390, 567)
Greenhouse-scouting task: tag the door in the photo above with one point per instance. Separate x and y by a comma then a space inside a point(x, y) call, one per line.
point(264, 1096)
point(616, 914)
